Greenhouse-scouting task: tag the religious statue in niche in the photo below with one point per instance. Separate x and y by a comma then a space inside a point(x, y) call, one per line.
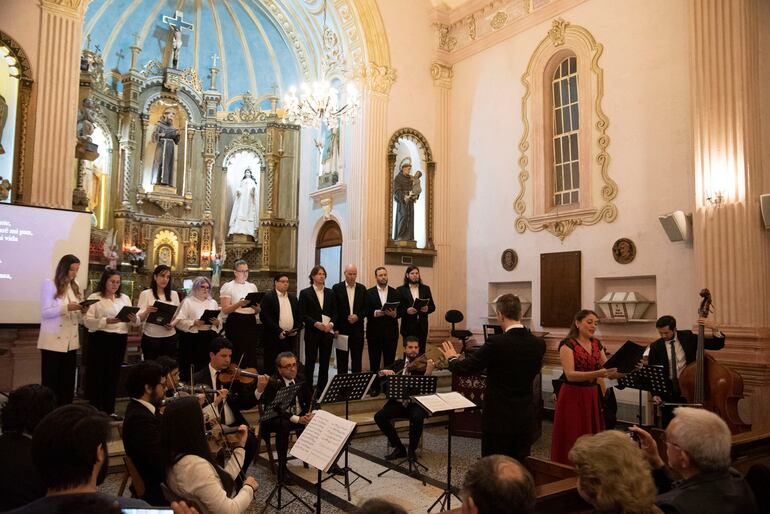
point(406, 191)
point(165, 137)
point(243, 219)
point(86, 124)
point(331, 149)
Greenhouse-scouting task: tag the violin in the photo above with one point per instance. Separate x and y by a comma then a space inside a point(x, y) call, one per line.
point(420, 363)
point(222, 439)
point(235, 374)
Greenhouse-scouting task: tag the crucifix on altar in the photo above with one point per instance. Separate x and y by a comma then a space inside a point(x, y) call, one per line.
point(176, 25)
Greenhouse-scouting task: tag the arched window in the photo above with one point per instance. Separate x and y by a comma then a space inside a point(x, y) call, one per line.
point(566, 127)
point(328, 251)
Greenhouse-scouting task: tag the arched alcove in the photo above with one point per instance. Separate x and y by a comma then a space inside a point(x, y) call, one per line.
point(328, 251)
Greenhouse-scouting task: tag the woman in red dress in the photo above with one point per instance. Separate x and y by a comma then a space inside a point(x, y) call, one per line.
point(578, 404)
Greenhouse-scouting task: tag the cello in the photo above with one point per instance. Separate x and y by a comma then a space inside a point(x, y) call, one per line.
point(707, 382)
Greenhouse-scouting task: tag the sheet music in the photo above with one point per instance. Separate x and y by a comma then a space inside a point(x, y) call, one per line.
point(325, 319)
point(441, 402)
point(322, 440)
point(341, 342)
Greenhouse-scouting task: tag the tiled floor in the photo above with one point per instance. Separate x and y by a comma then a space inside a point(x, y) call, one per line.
point(366, 458)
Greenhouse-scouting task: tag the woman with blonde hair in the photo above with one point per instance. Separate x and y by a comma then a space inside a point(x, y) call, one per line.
point(613, 474)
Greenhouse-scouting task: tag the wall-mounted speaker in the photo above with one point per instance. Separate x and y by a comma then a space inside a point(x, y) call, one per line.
point(678, 226)
point(764, 207)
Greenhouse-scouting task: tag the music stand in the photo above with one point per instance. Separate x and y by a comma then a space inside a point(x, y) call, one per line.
point(646, 378)
point(282, 402)
point(403, 387)
point(344, 388)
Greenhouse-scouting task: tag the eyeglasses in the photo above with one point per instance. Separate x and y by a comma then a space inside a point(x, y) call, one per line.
point(241, 271)
point(204, 287)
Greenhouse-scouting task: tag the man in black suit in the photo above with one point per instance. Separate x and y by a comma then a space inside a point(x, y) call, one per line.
point(399, 409)
point(296, 418)
point(414, 322)
point(282, 321)
point(141, 427)
point(350, 297)
point(381, 325)
point(512, 361)
point(680, 347)
point(319, 311)
point(226, 407)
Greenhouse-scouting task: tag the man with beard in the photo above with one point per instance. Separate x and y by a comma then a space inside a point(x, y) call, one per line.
point(141, 427)
point(400, 409)
point(414, 322)
point(69, 450)
point(381, 325)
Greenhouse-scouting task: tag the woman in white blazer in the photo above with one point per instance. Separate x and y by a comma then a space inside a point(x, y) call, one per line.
point(191, 473)
point(61, 314)
point(195, 334)
point(107, 340)
point(158, 340)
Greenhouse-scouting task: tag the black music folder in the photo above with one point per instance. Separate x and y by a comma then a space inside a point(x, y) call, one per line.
point(419, 303)
point(626, 358)
point(125, 312)
point(208, 314)
point(254, 298)
point(163, 315)
point(88, 303)
point(390, 306)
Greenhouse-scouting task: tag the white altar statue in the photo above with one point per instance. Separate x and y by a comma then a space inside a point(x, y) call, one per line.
point(243, 219)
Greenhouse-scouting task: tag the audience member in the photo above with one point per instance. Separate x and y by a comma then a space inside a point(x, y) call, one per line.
point(191, 472)
point(20, 483)
point(498, 484)
point(69, 450)
point(379, 506)
point(698, 446)
point(141, 428)
point(613, 475)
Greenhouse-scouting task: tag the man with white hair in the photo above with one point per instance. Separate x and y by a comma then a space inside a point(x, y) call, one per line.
point(698, 446)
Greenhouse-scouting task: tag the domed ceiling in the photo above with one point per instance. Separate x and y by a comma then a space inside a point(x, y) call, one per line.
point(254, 52)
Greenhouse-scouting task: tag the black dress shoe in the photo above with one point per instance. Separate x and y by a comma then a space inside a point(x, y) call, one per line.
point(397, 453)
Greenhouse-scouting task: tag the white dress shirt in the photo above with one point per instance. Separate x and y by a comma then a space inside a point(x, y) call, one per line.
point(351, 290)
point(285, 316)
point(237, 292)
point(147, 299)
point(681, 357)
point(209, 409)
point(383, 292)
point(98, 314)
point(191, 309)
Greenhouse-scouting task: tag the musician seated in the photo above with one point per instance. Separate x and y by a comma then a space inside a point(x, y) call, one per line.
point(394, 409)
point(141, 427)
point(685, 346)
point(192, 473)
point(226, 406)
point(171, 372)
point(698, 444)
point(498, 483)
point(296, 418)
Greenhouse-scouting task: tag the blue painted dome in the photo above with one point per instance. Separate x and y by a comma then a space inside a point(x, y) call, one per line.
point(253, 52)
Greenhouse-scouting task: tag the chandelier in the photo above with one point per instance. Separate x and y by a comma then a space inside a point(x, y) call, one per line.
point(320, 101)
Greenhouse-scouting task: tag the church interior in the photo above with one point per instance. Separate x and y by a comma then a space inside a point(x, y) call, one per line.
point(197, 133)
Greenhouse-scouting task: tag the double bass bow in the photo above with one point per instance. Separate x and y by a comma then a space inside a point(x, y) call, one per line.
point(711, 384)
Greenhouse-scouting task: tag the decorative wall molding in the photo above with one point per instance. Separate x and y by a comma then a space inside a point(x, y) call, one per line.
point(377, 78)
point(442, 74)
point(532, 206)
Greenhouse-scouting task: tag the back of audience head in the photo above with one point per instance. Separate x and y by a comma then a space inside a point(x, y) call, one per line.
point(70, 445)
point(704, 438)
point(26, 406)
point(498, 484)
point(379, 506)
point(613, 474)
point(144, 375)
point(181, 430)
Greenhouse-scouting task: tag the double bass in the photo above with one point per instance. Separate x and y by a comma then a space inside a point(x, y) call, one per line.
point(711, 384)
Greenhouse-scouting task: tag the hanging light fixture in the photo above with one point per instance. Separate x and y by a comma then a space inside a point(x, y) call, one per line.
point(320, 101)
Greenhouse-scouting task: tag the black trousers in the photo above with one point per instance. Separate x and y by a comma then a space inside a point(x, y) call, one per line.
point(194, 350)
point(318, 344)
point(275, 346)
point(243, 331)
point(356, 353)
point(57, 370)
point(104, 357)
point(382, 350)
point(517, 439)
point(154, 347)
point(395, 409)
point(282, 428)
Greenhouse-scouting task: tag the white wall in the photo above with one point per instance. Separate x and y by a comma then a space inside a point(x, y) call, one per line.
point(646, 84)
